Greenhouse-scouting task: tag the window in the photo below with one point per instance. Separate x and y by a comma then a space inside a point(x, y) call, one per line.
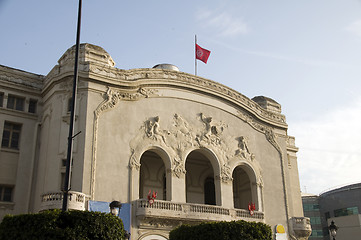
point(346, 211)
point(62, 181)
point(16, 103)
point(327, 215)
point(315, 220)
point(6, 193)
point(62, 173)
point(1, 99)
point(32, 105)
point(317, 234)
point(70, 104)
point(11, 135)
point(310, 207)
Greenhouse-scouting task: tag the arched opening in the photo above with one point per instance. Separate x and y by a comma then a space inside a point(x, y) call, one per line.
point(200, 186)
point(209, 191)
point(242, 189)
point(152, 175)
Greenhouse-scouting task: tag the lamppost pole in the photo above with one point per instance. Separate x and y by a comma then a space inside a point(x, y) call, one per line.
point(72, 116)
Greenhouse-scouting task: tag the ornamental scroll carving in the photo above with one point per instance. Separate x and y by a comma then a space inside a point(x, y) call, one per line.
point(113, 96)
point(183, 136)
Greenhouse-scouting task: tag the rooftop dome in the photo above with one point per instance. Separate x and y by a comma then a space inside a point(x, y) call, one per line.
point(167, 66)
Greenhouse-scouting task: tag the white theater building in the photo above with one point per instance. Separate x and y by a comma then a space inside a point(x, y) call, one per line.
point(207, 150)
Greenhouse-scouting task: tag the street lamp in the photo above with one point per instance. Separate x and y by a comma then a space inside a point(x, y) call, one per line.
point(333, 229)
point(115, 207)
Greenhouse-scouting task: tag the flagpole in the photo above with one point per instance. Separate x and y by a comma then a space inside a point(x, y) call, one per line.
point(72, 117)
point(195, 55)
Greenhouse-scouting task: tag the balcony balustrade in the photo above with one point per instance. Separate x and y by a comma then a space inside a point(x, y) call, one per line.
point(76, 201)
point(192, 212)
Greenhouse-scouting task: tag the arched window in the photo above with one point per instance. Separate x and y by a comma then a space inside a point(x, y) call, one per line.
point(242, 191)
point(200, 187)
point(152, 175)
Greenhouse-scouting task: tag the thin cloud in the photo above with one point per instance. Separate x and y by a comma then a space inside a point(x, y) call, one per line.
point(330, 149)
point(305, 61)
point(355, 28)
point(223, 23)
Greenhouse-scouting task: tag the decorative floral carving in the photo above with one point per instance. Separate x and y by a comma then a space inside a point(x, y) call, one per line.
point(113, 96)
point(160, 223)
point(178, 168)
point(226, 174)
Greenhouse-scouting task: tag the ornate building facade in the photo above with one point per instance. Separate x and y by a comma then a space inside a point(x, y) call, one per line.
point(208, 151)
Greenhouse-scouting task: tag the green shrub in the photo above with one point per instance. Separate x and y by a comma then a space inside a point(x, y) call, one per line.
point(56, 224)
point(236, 230)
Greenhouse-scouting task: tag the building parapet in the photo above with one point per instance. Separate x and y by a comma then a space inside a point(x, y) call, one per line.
point(54, 200)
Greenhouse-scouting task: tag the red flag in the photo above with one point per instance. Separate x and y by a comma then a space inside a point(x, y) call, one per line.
point(202, 54)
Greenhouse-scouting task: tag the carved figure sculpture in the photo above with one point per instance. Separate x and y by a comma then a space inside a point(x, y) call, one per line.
point(153, 129)
point(243, 149)
point(181, 124)
point(207, 121)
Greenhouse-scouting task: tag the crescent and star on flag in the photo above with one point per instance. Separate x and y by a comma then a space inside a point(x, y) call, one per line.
point(201, 54)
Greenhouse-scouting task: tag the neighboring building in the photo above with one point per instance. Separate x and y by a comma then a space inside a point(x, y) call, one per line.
point(207, 150)
point(311, 209)
point(341, 205)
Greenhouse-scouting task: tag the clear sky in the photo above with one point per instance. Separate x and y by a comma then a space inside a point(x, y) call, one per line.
point(305, 54)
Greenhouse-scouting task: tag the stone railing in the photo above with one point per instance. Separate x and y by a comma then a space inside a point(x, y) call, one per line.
point(193, 212)
point(76, 201)
point(242, 213)
point(301, 227)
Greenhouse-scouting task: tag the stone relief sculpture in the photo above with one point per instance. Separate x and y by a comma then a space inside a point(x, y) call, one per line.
point(213, 131)
point(226, 174)
point(152, 128)
point(243, 149)
point(183, 136)
point(178, 168)
point(113, 96)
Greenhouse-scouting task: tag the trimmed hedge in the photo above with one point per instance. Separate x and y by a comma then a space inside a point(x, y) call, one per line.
point(236, 230)
point(56, 224)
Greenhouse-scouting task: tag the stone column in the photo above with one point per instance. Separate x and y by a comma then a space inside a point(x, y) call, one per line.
point(227, 193)
point(134, 183)
point(178, 187)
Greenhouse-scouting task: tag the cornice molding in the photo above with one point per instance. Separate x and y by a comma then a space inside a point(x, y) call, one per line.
point(149, 77)
point(134, 78)
point(21, 78)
